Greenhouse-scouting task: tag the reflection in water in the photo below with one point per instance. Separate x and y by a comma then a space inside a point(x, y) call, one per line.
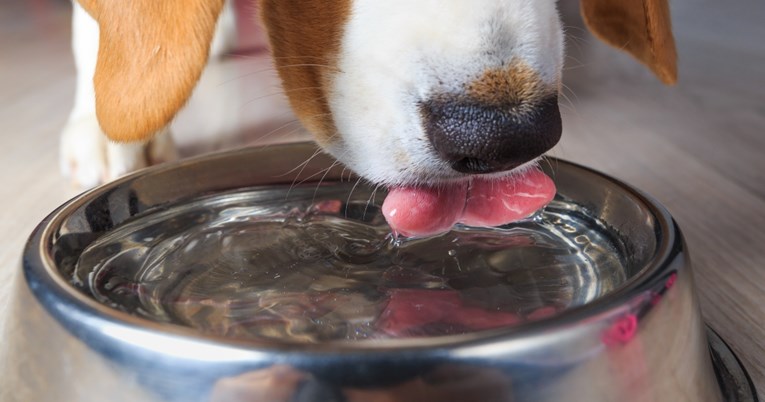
point(316, 266)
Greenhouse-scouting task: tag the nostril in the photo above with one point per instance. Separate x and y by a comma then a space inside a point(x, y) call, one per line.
point(479, 138)
point(474, 165)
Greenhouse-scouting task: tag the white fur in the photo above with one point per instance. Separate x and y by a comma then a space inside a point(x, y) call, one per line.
point(395, 53)
point(87, 157)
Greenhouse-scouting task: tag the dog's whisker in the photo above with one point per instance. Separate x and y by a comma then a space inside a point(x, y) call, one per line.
point(245, 75)
point(348, 201)
point(568, 104)
point(571, 103)
point(280, 134)
point(278, 130)
point(567, 30)
point(247, 55)
point(569, 108)
point(285, 134)
point(308, 65)
point(567, 27)
point(558, 152)
point(326, 172)
point(370, 200)
point(546, 159)
point(342, 173)
point(579, 64)
point(278, 93)
point(275, 70)
point(567, 88)
point(575, 39)
point(305, 162)
point(274, 131)
point(300, 57)
point(553, 169)
point(302, 167)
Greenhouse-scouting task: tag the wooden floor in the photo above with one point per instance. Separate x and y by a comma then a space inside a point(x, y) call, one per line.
point(696, 147)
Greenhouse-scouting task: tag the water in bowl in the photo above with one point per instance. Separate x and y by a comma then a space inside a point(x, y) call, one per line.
point(312, 264)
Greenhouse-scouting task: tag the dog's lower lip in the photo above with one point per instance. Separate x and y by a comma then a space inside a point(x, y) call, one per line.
point(461, 177)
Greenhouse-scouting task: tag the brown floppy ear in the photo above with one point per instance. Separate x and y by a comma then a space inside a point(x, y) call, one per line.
point(641, 27)
point(151, 54)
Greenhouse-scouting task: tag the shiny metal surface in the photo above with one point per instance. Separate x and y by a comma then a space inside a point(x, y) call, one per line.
point(643, 342)
point(734, 381)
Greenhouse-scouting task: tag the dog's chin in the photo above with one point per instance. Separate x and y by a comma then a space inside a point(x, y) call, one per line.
point(423, 177)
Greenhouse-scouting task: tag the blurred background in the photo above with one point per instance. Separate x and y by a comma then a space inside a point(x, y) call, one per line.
point(697, 147)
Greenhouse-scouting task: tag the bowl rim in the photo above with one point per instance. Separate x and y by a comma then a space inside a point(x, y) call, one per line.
point(78, 313)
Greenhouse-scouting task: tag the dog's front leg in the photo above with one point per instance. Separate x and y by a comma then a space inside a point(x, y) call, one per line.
point(87, 156)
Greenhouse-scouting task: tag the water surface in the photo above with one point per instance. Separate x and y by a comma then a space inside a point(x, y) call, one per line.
point(314, 265)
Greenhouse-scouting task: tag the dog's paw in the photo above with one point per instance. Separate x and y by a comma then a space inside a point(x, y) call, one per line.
point(88, 158)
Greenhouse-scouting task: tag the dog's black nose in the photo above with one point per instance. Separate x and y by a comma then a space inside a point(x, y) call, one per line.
point(476, 138)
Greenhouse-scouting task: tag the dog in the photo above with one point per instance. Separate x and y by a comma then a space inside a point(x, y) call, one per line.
point(409, 94)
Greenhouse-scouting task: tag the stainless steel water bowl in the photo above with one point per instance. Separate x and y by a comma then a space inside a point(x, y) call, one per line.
point(644, 340)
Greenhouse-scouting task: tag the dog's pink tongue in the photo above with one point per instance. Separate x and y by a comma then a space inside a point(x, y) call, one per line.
point(497, 202)
point(423, 211)
point(420, 211)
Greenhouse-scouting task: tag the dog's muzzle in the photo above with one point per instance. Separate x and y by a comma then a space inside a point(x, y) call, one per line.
point(476, 138)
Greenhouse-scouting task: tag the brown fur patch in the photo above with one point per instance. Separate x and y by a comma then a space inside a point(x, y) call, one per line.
point(514, 85)
point(305, 38)
point(151, 54)
point(642, 28)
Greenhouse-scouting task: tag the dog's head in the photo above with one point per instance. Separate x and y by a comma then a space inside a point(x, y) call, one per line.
point(402, 91)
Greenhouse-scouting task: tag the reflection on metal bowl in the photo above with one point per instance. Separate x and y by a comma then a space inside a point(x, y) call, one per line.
point(510, 317)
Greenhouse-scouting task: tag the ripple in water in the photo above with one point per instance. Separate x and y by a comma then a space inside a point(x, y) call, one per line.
point(316, 266)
